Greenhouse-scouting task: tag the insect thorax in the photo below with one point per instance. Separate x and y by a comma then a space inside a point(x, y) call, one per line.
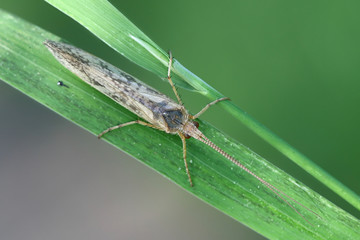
point(175, 119)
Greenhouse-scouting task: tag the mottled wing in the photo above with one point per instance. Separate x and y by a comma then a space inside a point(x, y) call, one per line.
point(141, 99)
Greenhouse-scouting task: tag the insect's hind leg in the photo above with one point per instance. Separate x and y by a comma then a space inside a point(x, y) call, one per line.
point(184, 156)
point(207, 107)
point(126, 124)
point(170, 81)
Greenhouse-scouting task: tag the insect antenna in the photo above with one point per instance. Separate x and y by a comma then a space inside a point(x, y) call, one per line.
point(275, 190)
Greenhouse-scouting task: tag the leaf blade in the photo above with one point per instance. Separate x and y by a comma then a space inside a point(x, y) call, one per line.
point(28, 66)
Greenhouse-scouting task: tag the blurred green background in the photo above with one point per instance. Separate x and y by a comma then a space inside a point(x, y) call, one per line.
point(294, 66)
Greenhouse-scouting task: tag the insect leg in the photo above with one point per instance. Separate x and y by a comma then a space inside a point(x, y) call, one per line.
point(207, 107)
point(184, 156)
point(170, 81)
point(126, 124)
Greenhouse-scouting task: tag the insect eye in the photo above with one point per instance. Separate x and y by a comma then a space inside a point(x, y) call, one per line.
point(187, 136)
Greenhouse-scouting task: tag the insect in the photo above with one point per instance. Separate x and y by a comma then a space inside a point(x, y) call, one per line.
point(159, 111)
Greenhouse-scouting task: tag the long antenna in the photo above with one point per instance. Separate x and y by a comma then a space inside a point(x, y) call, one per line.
point(275, 190)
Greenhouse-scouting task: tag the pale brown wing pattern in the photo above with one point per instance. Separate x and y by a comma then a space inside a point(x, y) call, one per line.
point(136, 96)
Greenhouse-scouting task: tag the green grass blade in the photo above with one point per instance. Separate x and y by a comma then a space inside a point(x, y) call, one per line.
point(28, 66)
point(111, 26)
point(100, 17)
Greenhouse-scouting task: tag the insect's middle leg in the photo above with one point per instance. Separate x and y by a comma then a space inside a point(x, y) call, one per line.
point(126, 124)
point(207, 107)
point(184, 156)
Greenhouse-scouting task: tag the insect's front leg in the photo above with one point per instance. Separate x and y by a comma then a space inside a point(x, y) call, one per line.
point(170, 81)
point(126, 124)
point(207, 107)
point(183, 139)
